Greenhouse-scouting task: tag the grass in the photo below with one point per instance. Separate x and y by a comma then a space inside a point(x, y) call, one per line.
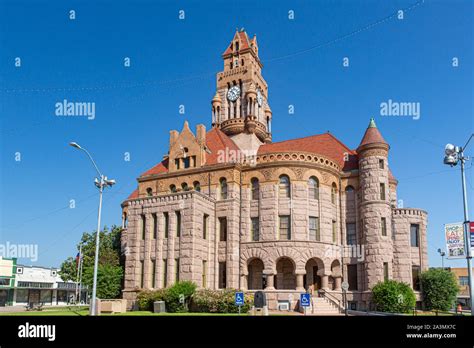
point(85, 312)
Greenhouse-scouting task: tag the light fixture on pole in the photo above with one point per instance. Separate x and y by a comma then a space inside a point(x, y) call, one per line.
point(453, 155)
point(442, 254)
point(101, 182)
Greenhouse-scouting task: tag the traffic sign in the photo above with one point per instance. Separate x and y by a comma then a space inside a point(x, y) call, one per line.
point(305, 300)
point(239, 298)
point(345, 286)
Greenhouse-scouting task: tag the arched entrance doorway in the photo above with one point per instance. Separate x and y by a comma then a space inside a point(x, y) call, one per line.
point(255, 277)
point(285, 278)
point(311, 278)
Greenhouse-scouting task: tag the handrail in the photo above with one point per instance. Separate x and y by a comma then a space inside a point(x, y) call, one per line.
point(331, 298)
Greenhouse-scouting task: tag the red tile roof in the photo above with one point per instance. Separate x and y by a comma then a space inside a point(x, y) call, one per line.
point(372, 135)
point(215, 140)
point(133, 195)
point(323, 144)
point(244, 42)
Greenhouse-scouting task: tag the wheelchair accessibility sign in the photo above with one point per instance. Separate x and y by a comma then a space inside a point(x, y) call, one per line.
point(239, 298)
point(305, 300)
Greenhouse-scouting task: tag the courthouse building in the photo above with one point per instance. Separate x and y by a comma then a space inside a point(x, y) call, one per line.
point(229, 208)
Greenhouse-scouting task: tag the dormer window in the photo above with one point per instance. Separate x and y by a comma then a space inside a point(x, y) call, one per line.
point(236, 46)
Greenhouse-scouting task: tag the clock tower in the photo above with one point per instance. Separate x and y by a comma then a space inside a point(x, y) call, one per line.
point(240, 106)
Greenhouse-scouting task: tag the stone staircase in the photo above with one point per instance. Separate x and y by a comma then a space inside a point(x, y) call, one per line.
point(323, 306)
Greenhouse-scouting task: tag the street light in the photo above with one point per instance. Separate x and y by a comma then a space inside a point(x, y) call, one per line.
point(442, 253)
point(453, 155)
point(101, 182)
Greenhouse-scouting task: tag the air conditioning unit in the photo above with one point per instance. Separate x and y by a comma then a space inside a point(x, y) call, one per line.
point(283, 306)
point(19, 270)
point(54, 272)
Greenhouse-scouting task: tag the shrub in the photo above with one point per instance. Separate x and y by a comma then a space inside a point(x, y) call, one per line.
point(146, 298)
point(173, 293)
point(218, 301)
point(393, 296)
point(439, 289)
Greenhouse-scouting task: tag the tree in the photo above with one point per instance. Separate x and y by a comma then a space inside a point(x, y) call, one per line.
point(439, 289)
point(110, 270)
point(392, 296)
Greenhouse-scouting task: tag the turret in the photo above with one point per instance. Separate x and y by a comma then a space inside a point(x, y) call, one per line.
point(216, 109)
point(375, 209)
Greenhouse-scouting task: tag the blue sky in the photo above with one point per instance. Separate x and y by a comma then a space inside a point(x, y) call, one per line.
point(174, 62)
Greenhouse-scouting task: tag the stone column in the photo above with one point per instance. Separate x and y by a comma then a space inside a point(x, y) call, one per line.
point(270, 278)
point(324, 282)
point(299, 281)
point(338, 281)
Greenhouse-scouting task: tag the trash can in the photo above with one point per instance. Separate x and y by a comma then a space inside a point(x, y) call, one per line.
point(159, 307)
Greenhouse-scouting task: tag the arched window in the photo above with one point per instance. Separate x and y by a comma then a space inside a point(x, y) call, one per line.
point(255, 189)
point(313, 188)
point(149, 192)
point(197, 186)
point(173, 188)
point(333, 193)
point(223, 187)
point(184, 186)
point(284, 186)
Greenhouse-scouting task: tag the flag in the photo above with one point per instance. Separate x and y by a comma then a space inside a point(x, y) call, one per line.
point(78, 258)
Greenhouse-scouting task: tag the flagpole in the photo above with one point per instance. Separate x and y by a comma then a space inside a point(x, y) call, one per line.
point(81, 262)
point(78, 267)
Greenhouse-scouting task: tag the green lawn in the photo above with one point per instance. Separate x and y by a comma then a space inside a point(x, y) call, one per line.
point(82, 312)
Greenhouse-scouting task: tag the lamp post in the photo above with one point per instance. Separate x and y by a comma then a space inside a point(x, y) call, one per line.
point(453, 155)
point(442, 253)
point(101, 182)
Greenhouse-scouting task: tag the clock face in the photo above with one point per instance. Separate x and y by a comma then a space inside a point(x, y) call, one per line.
point(259, 98)
point(233, 93)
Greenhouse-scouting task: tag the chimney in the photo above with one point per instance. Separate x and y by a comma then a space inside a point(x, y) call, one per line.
point(201, 134)
point(173, 137)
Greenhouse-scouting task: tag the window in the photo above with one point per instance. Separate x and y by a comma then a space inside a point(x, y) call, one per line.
point(223, 186)
point(222, 275)
point(381, 164)
point(153, 275)
point(285, 186)
point(314, 228)
point(155, 226)
point(143, 226)
point(334, 231)
point(382, 191)
point(165, 273)
point(255, 233)
point(414, 235)
point(184, 186)
point(463, 281)
point(22, 296)
point(149, 192)
point(178, 224)
point(285, 229)
point(167, 224)
point(177, 162)
point(222, 229)
point(384, 226)
point(173, 188)
point(236, 46)
point(176, 276)
point(333, 193)
point(197, 186)
point(313, 188)
point(351, 236)
point(255, 189)
point(415, 271)
point(142, 274)
point(385, 271)
point(186, 162)
point(205, 218)
point(352, 277)
point(204, 274)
